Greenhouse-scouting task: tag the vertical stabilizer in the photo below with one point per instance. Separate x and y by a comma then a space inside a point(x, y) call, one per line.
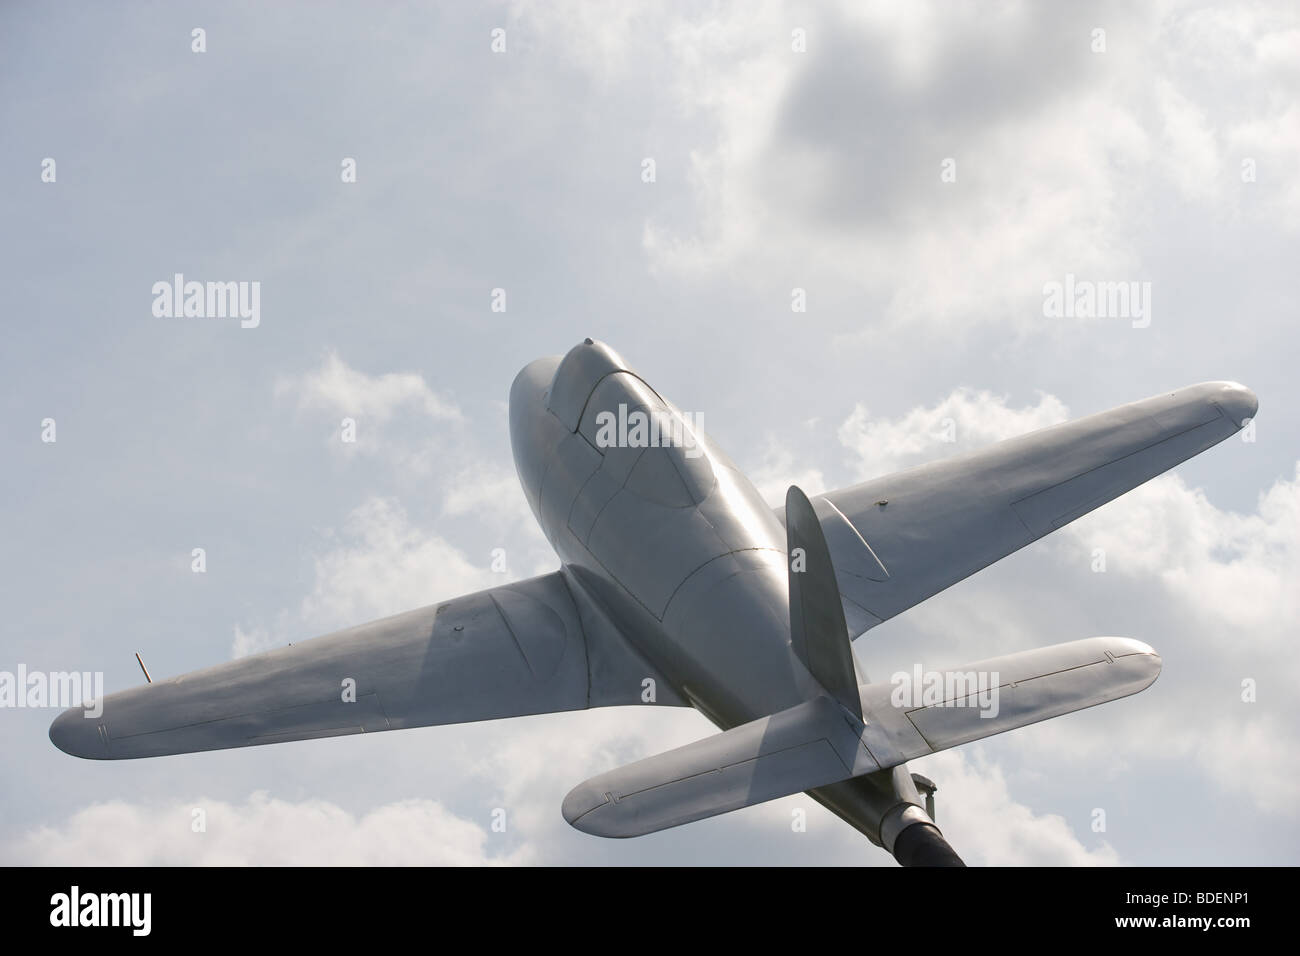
point(817, 629)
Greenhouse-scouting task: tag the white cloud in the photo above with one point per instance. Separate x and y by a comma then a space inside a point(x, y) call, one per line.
point(1239, 570)
point(1272, 143)
point(253, 639)
point(484, 492)
point(1188, 148)
point(493, 499)
point(980, 819)
point(262, 831)
point(383, 565)
point(337, 387)
point(378, 564)
point(378, 407)
point(831, 176)
point(962, 422)
point(1229, 581)
point(778, 470)
point(824, 171)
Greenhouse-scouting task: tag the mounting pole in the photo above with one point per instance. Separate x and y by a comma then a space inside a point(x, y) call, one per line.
point(147, 678)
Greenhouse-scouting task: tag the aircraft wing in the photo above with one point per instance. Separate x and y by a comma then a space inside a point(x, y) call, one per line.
point(531, 647)
point(902, 538)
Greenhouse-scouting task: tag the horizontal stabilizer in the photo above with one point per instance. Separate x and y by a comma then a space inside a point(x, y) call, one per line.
point(818, 743)
point(988, 697)
point(807, 746)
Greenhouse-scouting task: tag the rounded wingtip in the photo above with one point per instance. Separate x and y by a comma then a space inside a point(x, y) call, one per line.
point(1237, 401)
point(77, 733)
point(582, 810)
point(579, 802)
point(1138, 654)
point(1121, 646)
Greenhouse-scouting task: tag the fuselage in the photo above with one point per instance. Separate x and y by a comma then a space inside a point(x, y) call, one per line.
point(661, 532)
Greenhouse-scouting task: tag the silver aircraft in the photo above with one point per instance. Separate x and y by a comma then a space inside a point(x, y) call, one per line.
point(679, 586)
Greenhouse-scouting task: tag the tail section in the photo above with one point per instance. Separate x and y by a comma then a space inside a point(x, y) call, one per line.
point(853, 731)
point(818, 633)
point(815, 745)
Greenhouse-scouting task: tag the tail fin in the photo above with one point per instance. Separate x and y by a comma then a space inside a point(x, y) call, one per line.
point(817, 630)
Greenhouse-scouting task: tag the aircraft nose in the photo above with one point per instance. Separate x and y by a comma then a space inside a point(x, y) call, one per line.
point(75, 733)
point(1237, 401)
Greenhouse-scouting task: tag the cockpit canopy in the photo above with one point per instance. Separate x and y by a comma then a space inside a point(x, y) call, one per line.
point(648, 446)
point(576, 376)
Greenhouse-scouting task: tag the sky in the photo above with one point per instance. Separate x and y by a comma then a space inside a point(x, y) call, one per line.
point(829, 229)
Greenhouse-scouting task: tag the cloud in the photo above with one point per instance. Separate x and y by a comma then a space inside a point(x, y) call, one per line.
point(383, 565)
point(389, 413)
point(778, 470)
point(1238, 570)
point(339, 388)
point(262, 831)
point(839, 151)
point(378, 564)
point(988, 827)
point(1228, 582)
point(825, 170)
point(964, 421)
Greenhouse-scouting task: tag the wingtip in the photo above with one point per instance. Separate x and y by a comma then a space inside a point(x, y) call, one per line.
point(581, 809)
point(579, 802)
point(77, 733)
point(1238, 402)
point(1150, 659)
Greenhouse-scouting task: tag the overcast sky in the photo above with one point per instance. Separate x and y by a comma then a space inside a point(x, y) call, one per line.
point(921, 171)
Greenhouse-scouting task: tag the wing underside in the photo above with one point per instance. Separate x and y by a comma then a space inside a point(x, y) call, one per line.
point(900, 539)
point(523, 648)
point(821, 742)
point(807, 746)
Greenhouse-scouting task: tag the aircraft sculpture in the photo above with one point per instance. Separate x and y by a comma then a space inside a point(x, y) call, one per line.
point(679, 586)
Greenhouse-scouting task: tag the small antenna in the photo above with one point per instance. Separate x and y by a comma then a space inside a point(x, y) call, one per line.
point(143, 668)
